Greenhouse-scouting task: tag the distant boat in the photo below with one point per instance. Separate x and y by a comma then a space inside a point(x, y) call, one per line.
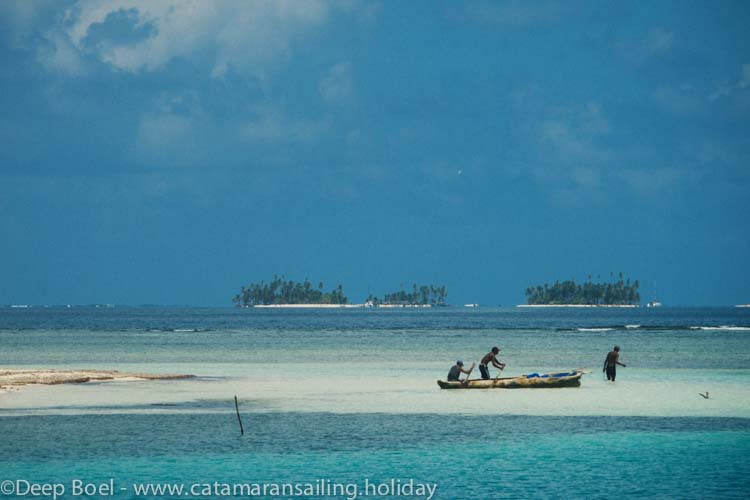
point(471, 305)
point(533, 380)
point(654, 303)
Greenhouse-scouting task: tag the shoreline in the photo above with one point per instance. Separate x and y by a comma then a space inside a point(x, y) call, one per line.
point(14, 379)
point(579, 305)
point(306, 306)
point(336, 306)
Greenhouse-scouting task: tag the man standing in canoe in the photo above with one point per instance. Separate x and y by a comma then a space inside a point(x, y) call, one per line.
point(456, 371)
point(610, 363)
point(490, 357)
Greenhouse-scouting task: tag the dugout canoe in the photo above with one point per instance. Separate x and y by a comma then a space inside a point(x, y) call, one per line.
point(531, 381)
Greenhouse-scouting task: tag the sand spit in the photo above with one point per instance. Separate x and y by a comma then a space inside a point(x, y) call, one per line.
point(12, 379)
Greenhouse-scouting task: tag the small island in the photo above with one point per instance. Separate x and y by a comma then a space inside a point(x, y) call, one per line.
point(617, 293)
point(420, 296)
point(282, 293)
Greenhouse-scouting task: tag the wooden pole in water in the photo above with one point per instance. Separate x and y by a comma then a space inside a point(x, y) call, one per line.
point(237, 407)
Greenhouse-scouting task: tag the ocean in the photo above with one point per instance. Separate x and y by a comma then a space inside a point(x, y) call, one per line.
point(344, 403)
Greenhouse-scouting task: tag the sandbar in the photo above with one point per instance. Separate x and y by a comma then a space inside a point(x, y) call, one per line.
point(13, 379)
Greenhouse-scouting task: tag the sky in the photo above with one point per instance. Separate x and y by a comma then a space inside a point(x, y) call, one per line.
point(169, 152)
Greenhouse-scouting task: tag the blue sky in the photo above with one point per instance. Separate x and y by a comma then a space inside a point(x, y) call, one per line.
point(169, 152)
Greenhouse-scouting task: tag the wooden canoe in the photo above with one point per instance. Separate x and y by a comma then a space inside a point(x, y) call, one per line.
point(532, 381)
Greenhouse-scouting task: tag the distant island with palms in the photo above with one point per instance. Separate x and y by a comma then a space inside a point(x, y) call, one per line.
point(421, 295)
point(280, 292)
point(616, 293)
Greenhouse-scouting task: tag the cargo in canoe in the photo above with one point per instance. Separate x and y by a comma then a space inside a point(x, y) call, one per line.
point(533, 380)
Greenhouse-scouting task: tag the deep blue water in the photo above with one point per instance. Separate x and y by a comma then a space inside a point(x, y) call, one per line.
point(154, 318)
point(468, 456)
point(664, 338)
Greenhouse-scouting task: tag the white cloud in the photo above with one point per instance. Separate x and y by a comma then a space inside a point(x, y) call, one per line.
point(337, 87)
point(180, 132)
point(652, 181)
point(167, 139)
point(145, 35)
point(727, 89)
point(657, 42)
point(60, 55)
point(256, 32)
point(681, 100)
point(272, 126)
point(593, 121)
point(515, 12)
point(586, 176)
point(722, 91)
point(573, 134)
point(577, 161)
point(19, 17)
point(745, 80)
point(574, 158)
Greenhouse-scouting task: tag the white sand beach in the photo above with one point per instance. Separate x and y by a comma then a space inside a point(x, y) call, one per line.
point(307, 306)
point(338, 306)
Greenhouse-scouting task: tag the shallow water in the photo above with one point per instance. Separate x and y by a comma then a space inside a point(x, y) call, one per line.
point(350, 395)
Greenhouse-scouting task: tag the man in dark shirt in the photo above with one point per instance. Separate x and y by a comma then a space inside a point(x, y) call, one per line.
point(457, 369)
point(611, 362)
point(490, 357)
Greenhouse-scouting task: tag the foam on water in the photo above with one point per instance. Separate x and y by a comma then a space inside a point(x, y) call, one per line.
point(728, 328)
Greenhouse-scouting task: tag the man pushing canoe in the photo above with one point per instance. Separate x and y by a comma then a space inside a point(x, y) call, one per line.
point(490, 357)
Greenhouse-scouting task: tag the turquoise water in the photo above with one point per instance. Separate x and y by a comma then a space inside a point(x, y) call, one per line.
point(350, 396)
point(483, 457)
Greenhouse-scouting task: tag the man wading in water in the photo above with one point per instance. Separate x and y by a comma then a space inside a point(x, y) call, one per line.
point(611, 362)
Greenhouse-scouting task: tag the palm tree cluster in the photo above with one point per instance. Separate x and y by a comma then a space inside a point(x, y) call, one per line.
point(619, 292)
point(420, 295)
point(281, 291)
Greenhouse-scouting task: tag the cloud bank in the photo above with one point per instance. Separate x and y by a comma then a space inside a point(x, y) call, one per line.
point(140, 36)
